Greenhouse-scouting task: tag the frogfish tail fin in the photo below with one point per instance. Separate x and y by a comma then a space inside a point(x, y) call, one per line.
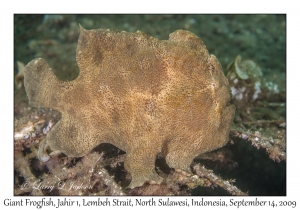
point(40, 84)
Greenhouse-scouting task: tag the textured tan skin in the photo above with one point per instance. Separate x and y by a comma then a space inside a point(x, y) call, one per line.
point(140, 94)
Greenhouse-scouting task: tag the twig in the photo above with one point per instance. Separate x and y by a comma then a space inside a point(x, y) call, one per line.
point(275, 147)
point(208, 174)
point(266, 122)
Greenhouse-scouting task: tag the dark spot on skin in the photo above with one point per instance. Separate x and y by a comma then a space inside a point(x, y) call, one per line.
point(72, 131)
point(131, 49)
point(98, 56)
point(115, 116)
point(39, 68)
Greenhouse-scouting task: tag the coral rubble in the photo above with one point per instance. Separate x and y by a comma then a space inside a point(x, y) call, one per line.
point(249, 93)
point(245, 80)
point(143, 95)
